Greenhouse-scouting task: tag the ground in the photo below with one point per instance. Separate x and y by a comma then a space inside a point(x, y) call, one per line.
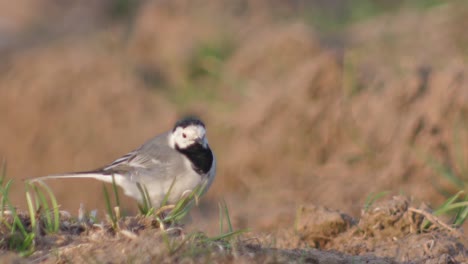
point(306, 123)
point(389, 231)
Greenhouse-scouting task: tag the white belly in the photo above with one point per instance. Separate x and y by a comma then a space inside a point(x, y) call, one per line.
point(158, 189)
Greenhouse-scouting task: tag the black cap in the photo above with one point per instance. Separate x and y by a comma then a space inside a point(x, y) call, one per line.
point(187, 121)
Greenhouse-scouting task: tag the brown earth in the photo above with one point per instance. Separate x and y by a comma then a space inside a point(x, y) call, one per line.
point(390, 231)
point(296, 118)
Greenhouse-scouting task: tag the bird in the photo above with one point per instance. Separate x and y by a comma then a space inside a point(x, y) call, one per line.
point(179, 160)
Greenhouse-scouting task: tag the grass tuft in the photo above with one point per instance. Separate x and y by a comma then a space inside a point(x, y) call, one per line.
point(146, 207)
point(452, 206)
point(51, 214)
point(197, 243)
point(110, 212)
point(183, 205)
point(455, 174)
point(230, 234)
point(19, 238)
point(113, 213)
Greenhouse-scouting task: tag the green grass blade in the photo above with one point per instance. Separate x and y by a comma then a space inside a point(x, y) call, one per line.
point(21, 240)
point(461, 217)
point(220, 219)
point(18, 224)
point(31, 209)
point(3, 194)
point(27, 246)
point(166, 197)
point(16, 219)
point(224, 214)
point(228, 235)
point(150, 211)
point(183, 206)
point(143, 206)
point(5, 191)
point(176, 214)
point(55, 207)
point(116, 193)
point(142, 209)
point(449, 201)
point(450, 207)
point(4, 168)
point(146, 208)
point(147, 197)
point(110, 212)
point(228, 217)
point(45, 206)
point(35, 197)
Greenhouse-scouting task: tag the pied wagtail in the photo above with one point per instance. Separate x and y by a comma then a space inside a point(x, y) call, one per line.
point(181, 156)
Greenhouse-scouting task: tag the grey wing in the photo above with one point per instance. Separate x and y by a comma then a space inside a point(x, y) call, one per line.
point(153, 159)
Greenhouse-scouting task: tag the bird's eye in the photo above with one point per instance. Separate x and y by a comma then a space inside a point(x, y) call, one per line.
point(184, 135)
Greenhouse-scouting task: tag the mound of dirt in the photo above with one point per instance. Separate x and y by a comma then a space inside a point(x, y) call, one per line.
point(329, 126)
point(390, 229)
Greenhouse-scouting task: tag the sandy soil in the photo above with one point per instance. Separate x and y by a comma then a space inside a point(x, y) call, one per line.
point(300, 121)
point(389, 231)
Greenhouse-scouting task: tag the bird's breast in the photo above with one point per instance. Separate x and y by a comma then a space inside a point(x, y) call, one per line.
point(201, 158)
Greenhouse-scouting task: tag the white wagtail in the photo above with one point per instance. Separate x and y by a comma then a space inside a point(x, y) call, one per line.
point(180, 157)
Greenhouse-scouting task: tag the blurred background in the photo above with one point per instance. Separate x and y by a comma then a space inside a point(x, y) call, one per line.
point(323, 102)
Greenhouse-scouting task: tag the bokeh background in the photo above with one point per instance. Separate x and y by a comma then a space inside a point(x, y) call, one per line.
point(322, 102)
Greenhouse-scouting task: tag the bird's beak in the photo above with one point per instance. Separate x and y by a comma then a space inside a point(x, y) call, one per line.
point(201, 141)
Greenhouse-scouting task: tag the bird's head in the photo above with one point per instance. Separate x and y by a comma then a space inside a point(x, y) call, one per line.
point(187, 132)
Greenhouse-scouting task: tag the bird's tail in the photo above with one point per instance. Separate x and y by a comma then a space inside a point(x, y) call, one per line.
point(98, 175)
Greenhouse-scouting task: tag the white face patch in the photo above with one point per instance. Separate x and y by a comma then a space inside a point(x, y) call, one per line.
point(184, 137)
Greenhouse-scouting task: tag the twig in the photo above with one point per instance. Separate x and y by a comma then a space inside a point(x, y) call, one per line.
point(433, 219)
